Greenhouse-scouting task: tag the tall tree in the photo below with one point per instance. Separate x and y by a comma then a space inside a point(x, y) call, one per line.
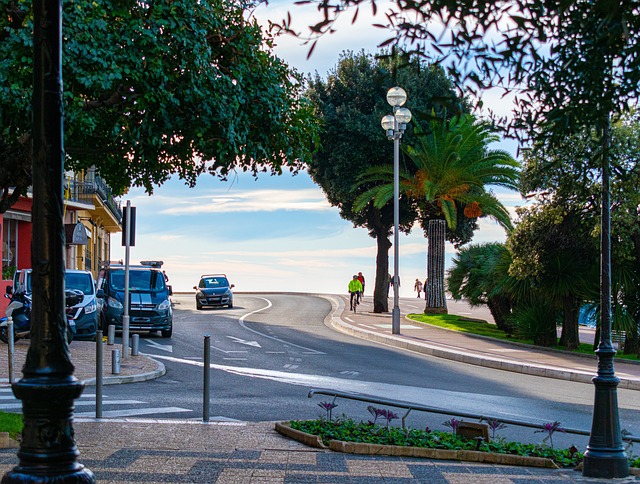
point(350, 104)
point(454, 169)
point(153, 89)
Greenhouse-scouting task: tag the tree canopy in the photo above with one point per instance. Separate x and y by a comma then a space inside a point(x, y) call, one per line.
point(350, 104)
point(153, 89)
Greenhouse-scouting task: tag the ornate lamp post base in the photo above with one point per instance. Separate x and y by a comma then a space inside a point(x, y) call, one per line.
point(48, 452)
point(605, 456)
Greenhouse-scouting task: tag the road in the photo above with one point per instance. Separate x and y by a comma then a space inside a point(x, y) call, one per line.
point(270, 349)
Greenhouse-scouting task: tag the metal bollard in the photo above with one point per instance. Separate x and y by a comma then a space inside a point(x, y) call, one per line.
point(111, 334)
point(99, 374)
point(207, 373)
point(135, 344)
point(115, 361)
point(12, 348)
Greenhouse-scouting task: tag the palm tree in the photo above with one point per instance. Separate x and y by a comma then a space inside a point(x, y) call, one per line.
point(480, 275)
point(452, 168)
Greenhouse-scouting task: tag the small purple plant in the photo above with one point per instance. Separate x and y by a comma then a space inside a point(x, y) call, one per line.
point(452, 424)
point(494, 425)
point(550, 429)
point(390, 416)
point(376, 412)
point(328, 407)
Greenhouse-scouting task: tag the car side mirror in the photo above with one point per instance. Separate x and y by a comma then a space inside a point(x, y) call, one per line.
point(195, 287)
point(100, 293)
point(232, 286)
point(9, 290)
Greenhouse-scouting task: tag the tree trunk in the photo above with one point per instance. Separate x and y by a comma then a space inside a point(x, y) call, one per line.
point(570, 336)
point(381, 290)
point(500, 308)
point(631, 344)
point(435, 296)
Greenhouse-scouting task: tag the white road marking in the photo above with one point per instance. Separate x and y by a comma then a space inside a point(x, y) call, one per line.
point(350, 373)
point(349, 319)
point(245, 342)
point(77, 403)
point(241, 322)
point(275, 352)
point(155, 345)
point(234, 359)
point(290, 366)
point(367, 326)
point(134, 411)
point(229, 351)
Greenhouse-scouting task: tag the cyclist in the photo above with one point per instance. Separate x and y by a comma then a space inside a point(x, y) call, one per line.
point(355, 287)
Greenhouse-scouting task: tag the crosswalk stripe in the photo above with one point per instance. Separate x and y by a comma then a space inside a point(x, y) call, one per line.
point(86, 403)
point(134, 411)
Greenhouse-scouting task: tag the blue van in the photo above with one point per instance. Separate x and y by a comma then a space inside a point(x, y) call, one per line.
point(149, 303)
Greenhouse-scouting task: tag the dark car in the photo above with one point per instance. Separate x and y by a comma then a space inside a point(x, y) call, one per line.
point(214, 290)
point(149, 303)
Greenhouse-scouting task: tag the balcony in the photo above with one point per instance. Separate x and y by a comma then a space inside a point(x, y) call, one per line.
point(91, 188)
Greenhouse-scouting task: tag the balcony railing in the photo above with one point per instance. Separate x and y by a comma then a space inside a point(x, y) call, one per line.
point(81, 191)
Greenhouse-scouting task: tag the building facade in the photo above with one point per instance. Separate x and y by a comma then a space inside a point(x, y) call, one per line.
point(91, 216)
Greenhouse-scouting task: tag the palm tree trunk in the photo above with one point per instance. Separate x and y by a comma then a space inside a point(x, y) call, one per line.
point(381, 290)
point(570, 337)
point(436, 301)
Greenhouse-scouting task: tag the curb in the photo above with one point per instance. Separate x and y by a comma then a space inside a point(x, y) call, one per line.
point(362, 448)
point(338, 324)
point(7, 442)
point(284, 428)
point(117, 379)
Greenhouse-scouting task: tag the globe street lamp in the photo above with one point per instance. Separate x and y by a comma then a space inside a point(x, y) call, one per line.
point(394, 125)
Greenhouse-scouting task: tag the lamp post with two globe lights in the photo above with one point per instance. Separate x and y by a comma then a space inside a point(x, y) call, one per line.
point(395, 125)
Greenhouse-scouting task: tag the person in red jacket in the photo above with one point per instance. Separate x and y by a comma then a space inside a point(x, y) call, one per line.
point(361, 279)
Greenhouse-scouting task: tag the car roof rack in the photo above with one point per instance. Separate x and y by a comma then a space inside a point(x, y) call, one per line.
point(220, 274)
point(156, 264)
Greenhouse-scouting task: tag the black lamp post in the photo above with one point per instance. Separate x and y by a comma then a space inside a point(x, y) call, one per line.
point(605, 456)
point(48, 452)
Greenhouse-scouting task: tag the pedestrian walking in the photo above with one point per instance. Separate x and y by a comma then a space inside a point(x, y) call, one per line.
point(418, 287)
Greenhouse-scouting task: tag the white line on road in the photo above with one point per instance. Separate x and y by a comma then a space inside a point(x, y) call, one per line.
point(349, 319)
point(241, 321)
point(158, 346)
point(367, 326)
point(134, 411)
point(275, 352)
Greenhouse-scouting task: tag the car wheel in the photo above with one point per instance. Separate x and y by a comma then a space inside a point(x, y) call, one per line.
point(168, 332)
point(198, 306)
point(69, 335)
point(230, 305)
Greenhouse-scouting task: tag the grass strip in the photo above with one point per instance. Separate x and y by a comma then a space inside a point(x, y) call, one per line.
point(12, 423)
point(483, 328)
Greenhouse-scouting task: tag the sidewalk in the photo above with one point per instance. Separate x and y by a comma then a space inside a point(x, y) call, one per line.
point(475, 350)
point(190, 451)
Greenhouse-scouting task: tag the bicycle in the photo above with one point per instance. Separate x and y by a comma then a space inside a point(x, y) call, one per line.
point(354, 300)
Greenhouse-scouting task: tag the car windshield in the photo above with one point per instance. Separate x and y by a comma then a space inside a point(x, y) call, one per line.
point(139, 280)
point(82, 282)
point(212, 282)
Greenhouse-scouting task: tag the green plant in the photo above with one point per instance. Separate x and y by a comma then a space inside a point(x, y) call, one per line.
point(348, 430)
point(8, 272)
point(12, 423)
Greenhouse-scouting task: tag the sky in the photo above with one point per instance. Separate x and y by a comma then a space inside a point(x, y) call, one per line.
point(278, 233)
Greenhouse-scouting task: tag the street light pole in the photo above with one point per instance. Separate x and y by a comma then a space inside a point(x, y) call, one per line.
point(605, 456)
point(395, 125)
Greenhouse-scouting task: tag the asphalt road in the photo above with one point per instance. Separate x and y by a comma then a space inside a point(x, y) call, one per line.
point(270, 349)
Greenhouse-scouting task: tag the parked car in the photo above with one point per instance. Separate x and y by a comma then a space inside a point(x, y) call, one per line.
point(84, 314)
point(149, 303)
point(214, 290)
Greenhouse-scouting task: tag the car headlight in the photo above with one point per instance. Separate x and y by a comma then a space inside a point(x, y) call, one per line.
point(227, 292)
point(114, 303)
point(164, 305)
point(90, 308)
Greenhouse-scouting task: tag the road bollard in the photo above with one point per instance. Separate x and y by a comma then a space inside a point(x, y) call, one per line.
point(207, 372)
point(135, 344)
point(111, 334)
point(115, 361)
point(99, 374)
point(11, 348)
